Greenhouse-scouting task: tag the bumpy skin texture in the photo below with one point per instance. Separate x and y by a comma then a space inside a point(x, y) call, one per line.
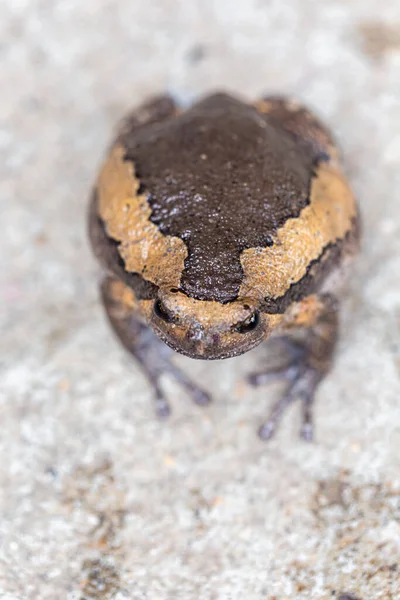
point(220, 226)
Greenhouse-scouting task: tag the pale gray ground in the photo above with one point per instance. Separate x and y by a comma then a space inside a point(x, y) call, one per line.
point(98, 499)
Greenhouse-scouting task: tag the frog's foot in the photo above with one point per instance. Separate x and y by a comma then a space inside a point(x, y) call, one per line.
point(154, 359)
point(152, 355)
point(302, 380)
point(309, 357)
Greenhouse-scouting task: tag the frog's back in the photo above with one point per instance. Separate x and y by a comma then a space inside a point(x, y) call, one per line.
point(215, 184)
point(222, 179)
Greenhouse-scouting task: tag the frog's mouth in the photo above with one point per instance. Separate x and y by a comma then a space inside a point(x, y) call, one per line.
point(207, 346)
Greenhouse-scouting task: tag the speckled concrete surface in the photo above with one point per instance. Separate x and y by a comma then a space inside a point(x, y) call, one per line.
point(98, 499)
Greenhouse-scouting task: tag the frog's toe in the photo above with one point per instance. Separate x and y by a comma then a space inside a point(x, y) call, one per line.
point(162, 407)
point(200, 397)
point(302, 387)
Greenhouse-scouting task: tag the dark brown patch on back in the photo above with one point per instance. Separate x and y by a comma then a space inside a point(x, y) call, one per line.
point(155, 110)
point(302, 124)
point(222, 178)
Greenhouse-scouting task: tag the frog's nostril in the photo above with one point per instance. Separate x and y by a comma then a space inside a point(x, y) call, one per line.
point(215, 339)
point(194, 335)
point(198, 336)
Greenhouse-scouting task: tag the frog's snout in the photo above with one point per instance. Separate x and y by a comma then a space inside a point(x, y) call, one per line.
point(202, 341)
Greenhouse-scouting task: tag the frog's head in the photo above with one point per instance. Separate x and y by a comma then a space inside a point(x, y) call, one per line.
point(207, 329)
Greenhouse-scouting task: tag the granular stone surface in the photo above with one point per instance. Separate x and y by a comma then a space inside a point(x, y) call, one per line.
point(98, 499)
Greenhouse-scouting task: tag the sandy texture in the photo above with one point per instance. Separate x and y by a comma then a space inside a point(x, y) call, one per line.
point(98, 499)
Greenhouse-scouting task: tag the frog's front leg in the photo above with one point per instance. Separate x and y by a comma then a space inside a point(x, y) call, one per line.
point(153, 356)
point(309, 338)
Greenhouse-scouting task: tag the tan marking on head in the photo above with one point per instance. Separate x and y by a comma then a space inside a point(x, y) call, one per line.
point(329, 216)
point(126, 214)
point(206, 313)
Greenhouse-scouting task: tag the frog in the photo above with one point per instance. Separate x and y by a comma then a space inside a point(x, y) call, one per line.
point(221, 226)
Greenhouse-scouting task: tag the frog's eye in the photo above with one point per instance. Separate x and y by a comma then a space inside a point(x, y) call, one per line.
point(249, 324)
point(160, 311)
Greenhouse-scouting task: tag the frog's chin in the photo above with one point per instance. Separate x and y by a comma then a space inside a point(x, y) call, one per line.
point(212, 350)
